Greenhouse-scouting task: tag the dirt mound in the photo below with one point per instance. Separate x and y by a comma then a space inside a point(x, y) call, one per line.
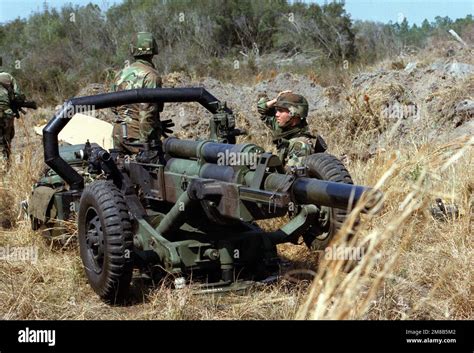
point(92, 89)
point(428, 99)
point(176, 79)
point(242, 99)
point(426, 94)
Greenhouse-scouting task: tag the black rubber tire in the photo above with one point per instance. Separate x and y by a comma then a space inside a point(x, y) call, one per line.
point(106, 240)
point(325, 166)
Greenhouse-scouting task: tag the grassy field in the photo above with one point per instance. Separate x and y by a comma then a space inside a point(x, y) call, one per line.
point(415, 267)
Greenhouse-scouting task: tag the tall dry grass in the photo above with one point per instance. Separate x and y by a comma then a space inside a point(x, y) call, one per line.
point(414, 267)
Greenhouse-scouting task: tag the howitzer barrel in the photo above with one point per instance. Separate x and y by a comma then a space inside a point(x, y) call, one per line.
point(303, 190)
point(208, 150)
point(181, 148)
point(327, 193)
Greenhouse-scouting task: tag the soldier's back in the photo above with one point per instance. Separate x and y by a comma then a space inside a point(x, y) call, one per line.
point(137, 75)
point(141, 119)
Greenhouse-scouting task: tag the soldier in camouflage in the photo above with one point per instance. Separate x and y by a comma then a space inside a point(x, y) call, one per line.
point(286, 116)
point(139, 122)
point(9, 92)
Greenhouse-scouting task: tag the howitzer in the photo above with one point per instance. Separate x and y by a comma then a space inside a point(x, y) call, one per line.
point(190, 213)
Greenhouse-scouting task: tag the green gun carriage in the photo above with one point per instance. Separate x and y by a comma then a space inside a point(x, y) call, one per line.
point(177, 208)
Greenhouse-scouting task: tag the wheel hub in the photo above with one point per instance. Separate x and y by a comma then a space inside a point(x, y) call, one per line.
point(95, 240)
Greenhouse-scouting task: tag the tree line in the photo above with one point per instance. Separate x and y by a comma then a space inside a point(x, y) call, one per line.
point(54, 52)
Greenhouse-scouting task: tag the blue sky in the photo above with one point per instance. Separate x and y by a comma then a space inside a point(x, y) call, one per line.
point(376, 10)
point(414, 10)
point(11, 9)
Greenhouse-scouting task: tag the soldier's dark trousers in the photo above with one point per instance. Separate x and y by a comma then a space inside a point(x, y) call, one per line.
point(7, 132)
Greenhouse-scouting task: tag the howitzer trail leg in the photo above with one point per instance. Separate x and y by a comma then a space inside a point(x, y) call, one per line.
point(175, 218)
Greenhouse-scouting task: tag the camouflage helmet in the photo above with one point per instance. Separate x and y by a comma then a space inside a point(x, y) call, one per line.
point(295, 103)
point(143, 44)
point(5, 78)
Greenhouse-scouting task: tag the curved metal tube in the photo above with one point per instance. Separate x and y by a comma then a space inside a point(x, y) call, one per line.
point(108, 100)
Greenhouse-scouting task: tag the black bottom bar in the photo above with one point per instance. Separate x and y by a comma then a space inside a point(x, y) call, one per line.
point(237, 336)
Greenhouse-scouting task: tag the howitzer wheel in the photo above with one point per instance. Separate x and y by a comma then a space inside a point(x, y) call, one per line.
point(106, 240)
point(325, 166)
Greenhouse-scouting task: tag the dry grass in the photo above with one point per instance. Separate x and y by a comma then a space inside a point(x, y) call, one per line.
point(414, 267)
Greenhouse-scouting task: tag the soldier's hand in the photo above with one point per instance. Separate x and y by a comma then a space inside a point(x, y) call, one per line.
point(273, 101)
point(166, 126)
point(283, 92)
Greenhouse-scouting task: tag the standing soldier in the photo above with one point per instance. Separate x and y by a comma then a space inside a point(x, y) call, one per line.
point(139, 122)
point(286, 116)
point(11, 102)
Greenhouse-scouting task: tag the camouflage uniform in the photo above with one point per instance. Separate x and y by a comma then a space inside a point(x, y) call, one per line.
point(142, 119)
point(9, 91)
point(293, 143)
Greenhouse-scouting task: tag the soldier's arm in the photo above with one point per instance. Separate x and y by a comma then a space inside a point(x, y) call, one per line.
point(153, 81)
point(150, 112)
point(18, 99)
point(19, 96)
point(16, 88)
point(267, 114)
point(297, 151)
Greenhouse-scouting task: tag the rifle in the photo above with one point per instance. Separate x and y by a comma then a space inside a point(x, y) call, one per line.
point(19, 103)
